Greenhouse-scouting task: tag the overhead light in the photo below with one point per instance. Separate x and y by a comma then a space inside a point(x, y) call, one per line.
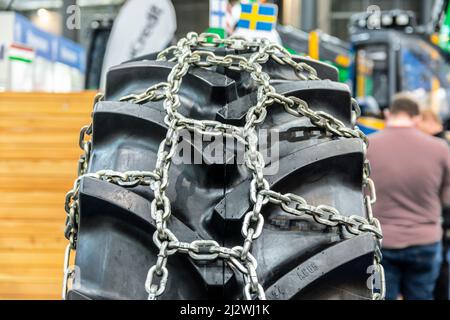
point(43, 13)
point(44, 16)
point(387, 20)
point(362, 23)
point(402, 20)
point(373, 22)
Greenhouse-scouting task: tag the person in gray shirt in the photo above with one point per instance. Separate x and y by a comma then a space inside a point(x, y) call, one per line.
point(411, 171)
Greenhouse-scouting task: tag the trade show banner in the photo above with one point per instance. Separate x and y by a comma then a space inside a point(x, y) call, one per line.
point(35, 60)
point(69, 66)
point(141, 27)
point(27, 34)
point(19, 67)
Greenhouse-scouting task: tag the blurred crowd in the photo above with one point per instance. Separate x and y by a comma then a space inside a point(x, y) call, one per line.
point(410, 161)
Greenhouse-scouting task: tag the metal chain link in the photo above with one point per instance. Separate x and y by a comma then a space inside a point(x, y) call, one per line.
point(238, 258)
point(370, 199)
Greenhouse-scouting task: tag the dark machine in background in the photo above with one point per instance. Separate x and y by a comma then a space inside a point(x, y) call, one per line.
point(99, 35)
point(392, 54)
point(319, 46)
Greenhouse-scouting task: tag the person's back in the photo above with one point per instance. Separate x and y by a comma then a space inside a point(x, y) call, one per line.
point(411, 172)
point(431, 124)
point(408, 170)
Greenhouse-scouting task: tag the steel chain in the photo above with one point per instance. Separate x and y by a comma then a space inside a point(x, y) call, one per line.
point(239, 258)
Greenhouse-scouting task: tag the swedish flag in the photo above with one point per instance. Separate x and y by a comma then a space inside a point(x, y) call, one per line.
point(261, 17)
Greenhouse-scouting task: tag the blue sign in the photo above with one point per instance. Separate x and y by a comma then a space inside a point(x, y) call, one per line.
point(48, 46)
point(27, 34)
point(70, 53)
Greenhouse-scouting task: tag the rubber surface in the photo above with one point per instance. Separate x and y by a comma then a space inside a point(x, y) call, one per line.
point(297, 258)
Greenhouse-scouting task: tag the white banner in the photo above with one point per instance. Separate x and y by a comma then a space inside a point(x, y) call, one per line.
point(141, 27)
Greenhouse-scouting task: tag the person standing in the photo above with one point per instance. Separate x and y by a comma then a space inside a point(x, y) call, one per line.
point(411, 171)
point(431, 124)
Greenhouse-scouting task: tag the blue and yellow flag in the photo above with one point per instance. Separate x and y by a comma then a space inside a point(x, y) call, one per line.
point(257, 16)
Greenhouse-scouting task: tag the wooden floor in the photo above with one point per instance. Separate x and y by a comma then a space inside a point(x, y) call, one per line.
point(38, 161)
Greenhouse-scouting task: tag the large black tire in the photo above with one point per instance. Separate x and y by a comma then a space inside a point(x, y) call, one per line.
point(297, 257)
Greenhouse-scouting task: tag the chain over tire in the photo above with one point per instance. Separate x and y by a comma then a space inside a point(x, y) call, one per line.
point(244, 69)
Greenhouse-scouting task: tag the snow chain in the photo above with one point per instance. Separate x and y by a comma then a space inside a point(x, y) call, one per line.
point(188, 52)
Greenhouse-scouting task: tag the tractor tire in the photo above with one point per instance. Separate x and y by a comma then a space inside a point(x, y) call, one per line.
point(297, 257)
